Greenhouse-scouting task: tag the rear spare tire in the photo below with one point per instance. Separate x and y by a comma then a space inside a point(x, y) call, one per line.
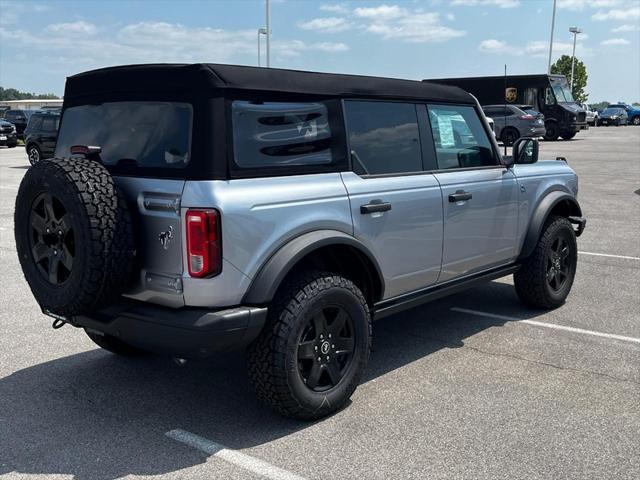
point(73, 235)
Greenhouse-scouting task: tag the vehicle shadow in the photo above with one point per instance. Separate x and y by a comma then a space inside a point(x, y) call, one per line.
point(97, 416)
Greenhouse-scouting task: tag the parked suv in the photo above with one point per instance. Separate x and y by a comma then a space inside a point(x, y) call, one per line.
point(19, 118)
point(40, 136)
point(512, 122)
point(198, 208)
point(8, 134)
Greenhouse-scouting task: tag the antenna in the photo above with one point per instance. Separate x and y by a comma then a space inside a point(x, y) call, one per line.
point(505, 107)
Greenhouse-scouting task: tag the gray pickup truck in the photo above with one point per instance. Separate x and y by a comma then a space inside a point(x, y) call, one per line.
point(191, 209)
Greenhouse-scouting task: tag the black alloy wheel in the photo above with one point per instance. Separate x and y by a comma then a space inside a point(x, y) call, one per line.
point(326, 347)
point(52, 238)
point(558, 264)
point(34, 155)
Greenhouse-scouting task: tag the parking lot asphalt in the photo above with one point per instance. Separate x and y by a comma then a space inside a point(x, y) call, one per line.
point(472, 386)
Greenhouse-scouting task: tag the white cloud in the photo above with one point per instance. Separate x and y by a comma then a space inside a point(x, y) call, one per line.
point(79, 27)
point(626, 28)
point(12, 11)
point(334, 8)
point(494, 3)
point(293, 48)
point(383, 12)
point(415, 27)
point(389, 22)
point(615, 41)
point(617, 14)
point(326, 24)
point(450, 16)
point(493, 46)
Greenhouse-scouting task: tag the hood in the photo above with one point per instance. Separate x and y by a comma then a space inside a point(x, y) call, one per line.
point(572, 107)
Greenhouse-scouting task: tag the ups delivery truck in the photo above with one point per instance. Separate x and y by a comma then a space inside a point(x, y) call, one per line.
point(549, 94)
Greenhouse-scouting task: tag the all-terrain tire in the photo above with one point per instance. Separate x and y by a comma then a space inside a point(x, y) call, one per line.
point(272, 357)
point(97, 217)
point(114, 345)
point(530, 280)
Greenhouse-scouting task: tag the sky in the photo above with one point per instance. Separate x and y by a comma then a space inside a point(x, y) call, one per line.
point(43, 42)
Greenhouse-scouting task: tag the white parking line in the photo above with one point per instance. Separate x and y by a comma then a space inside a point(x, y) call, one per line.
point(548, 325)
point(234, 457)
point(609, 255)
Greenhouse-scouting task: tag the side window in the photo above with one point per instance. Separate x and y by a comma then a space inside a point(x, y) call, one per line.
point(383, 137)
point(530, 96)
point(549, 97)
point(35, 122)
point(49, 124)
point(278, 134)
point(460, 138)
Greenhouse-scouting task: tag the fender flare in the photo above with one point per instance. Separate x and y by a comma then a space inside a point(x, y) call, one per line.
point(265, 284)
point(540, 215)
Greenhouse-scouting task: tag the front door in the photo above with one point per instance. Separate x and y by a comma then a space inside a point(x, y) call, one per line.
point(396, 207)
point(479, 195)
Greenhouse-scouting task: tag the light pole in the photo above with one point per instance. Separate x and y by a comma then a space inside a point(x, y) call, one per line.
point(261, 31)
point(268, 14)
point(553, 25)
point(575, 31)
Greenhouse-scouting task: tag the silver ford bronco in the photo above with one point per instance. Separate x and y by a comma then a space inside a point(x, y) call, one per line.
point(191, 209)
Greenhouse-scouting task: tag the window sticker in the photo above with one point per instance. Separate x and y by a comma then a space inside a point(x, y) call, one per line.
point(446, 131)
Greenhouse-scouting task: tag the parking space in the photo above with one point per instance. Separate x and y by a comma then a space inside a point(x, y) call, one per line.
point(471, 386)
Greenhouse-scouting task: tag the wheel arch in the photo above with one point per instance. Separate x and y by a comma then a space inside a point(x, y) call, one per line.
point(323, 249)
point(554, 203)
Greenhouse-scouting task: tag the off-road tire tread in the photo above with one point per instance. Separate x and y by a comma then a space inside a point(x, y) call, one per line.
point(529, 279)
point(267, 354)
point(111, 242)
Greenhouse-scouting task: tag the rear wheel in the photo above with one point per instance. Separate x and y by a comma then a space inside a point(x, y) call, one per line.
point(546, 276)
point(509, 136)
point(114, 345)
point(311, 354)
point(552, 131)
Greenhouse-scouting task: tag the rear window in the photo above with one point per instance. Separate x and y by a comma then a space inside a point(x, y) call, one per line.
point(280, 134)
point(131, 134)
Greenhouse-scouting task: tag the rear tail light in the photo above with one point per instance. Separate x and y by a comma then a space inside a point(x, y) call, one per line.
point(204, 243)
point(527, 117)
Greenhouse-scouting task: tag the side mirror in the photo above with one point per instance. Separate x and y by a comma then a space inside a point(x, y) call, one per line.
point(525, 150)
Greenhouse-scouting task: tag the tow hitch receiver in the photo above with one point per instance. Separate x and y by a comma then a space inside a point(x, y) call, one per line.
point(581, 222)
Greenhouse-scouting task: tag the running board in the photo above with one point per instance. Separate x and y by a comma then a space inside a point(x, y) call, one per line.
point(409, 300)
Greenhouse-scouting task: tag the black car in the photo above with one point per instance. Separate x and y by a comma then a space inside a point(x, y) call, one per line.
point(41, 135)
point(8, 134)
point(613, 116)
point(20, 118)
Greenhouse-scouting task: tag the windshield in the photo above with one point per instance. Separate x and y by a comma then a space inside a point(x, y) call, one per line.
point(612, 111)
point(130, 134)
point(561, 90)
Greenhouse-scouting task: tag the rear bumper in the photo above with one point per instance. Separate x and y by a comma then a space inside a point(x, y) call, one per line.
point(183, 332)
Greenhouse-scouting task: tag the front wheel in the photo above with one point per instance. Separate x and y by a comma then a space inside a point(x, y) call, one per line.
point(636, 120)
point(568, 135)
point(310, 356)
point(546, 276)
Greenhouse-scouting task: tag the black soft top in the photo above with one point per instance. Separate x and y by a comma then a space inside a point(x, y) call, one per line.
point(207, 78)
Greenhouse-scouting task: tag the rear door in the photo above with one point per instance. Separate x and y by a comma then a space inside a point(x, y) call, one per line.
point(48, 134)
point(478, 194)
point(147, 147)
point(395, 205)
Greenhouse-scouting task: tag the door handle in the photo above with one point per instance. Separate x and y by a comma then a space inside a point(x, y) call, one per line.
point(460, 196)
point(374, 207)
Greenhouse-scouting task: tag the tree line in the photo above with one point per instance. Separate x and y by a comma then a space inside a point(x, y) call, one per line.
point(14, 94)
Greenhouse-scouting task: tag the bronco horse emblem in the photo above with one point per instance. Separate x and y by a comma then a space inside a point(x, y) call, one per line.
point(165, 237)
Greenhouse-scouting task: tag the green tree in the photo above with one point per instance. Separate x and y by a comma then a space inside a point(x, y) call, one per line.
point(563, 67)
point(13, 94)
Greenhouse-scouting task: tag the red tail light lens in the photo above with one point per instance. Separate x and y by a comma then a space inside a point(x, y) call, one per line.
point(527, 117)
point(204, 243)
